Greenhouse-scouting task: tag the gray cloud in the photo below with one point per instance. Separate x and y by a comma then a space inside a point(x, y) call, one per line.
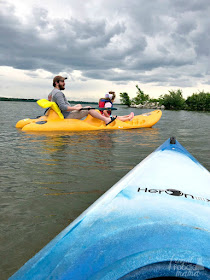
point(138, 37)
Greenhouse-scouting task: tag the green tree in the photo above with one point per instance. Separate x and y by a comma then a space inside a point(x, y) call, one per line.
point(198, 102)
point(174, 100)
point(125, 99)
point(141, 97)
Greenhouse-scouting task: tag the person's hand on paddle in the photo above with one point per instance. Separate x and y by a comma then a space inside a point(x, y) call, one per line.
point(78, 107)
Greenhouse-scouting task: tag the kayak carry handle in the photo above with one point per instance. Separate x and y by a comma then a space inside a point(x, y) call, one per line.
point(172, 140)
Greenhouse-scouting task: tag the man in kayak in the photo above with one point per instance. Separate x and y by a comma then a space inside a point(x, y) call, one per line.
point(72, 112)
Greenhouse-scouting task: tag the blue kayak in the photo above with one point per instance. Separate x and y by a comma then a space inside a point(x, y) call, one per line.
point(155, 222)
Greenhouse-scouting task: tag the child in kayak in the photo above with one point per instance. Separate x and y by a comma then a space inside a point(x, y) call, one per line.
point(103, 101)
point(108, 103)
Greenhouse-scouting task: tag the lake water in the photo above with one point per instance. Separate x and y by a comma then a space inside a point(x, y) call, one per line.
point(47, 180)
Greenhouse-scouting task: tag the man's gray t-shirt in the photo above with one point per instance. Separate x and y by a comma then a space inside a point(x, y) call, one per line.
point(59, 98)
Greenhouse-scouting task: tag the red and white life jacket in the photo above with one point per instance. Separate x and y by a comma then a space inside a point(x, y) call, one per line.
point(102, 103)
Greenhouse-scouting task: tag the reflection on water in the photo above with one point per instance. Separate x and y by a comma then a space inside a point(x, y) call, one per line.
point(48, 179)
point(55, 192)
point(93, 150)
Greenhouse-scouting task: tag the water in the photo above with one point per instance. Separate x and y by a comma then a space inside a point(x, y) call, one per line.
point(47, 180)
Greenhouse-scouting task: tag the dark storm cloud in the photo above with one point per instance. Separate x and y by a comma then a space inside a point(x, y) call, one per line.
point(166, 36)
point(39, 44)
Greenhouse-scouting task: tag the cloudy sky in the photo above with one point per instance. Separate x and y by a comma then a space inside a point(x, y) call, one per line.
point(103, 45)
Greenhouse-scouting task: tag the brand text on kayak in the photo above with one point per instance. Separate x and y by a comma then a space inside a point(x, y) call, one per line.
point(174, 193)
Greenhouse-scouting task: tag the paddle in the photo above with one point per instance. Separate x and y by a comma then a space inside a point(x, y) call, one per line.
point(100, 109)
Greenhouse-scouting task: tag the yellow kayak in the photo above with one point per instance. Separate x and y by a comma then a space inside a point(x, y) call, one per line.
point(53, 122)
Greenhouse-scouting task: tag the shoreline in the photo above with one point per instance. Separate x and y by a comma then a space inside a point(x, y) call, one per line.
point(35, 100)
point(148, 105)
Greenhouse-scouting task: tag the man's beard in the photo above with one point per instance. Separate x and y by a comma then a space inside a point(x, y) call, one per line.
point(61, 87)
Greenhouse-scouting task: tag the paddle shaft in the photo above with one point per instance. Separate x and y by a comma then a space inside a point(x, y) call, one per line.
point(100, 109)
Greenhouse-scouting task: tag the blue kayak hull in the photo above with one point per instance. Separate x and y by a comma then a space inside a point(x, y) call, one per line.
point(154, 222)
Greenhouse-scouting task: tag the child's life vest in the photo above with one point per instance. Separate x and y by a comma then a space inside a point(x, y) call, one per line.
point(102, 103)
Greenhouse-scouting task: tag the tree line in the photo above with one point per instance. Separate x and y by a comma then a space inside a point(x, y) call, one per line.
point(17, 99)
point(172, 101)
